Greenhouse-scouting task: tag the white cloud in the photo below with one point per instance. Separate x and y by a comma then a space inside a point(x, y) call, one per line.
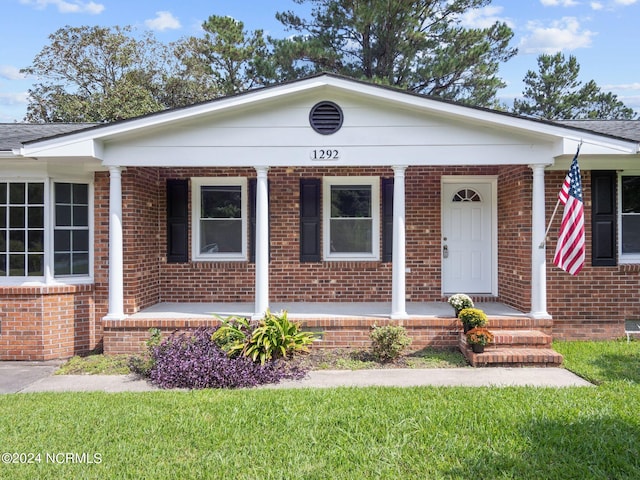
point(484, 17)
point(68, 6)
point(163, 21)
point(623, 86)
point(596, 6)
point(9, 72)
point(556, 3)
point(625, 2)
point(564, 34)
point(14, 98)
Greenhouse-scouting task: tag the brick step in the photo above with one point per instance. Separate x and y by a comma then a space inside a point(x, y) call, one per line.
point(513, 357)
point(521, 338)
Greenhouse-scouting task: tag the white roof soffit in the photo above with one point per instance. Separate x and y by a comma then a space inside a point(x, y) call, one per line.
point(89, 143)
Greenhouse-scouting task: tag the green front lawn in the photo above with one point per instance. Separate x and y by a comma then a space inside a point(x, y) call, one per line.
point(430, 432)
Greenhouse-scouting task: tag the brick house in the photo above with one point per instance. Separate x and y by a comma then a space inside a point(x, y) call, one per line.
point(346, 203)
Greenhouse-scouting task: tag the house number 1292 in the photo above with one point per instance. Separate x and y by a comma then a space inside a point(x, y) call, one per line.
point(325, 154)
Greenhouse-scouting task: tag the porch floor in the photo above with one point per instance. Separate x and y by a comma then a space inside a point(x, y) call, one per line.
point(302, 310)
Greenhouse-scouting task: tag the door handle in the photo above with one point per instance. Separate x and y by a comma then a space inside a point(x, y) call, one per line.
point(445, 251)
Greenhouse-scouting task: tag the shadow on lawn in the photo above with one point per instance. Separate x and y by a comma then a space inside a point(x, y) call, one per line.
point(602, 448)
point(615, 367)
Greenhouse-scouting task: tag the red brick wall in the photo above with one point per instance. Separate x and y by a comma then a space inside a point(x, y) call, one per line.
point(514, 236)
point(291, 280)
point(594, 303)
point(44, 323)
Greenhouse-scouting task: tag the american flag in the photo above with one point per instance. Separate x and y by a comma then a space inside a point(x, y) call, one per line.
point(569, 254)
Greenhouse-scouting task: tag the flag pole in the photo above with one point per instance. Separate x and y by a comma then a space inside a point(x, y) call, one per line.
point(544, 240)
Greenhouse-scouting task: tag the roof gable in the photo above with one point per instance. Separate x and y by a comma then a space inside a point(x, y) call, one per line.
point(259, 111)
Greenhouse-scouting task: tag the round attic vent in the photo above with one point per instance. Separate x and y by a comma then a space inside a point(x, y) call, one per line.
point(326, 118)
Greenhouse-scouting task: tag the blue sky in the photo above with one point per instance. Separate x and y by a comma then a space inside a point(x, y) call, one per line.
point(602, 34)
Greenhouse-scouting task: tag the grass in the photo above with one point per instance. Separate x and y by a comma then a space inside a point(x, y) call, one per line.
point(95, 365)
point(343, 433)
point(601, 362)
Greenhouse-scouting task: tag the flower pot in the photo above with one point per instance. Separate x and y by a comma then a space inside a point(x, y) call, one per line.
point(477, 348)
point(466, 327)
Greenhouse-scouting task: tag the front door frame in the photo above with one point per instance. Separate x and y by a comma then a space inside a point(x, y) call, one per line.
point(491, 180)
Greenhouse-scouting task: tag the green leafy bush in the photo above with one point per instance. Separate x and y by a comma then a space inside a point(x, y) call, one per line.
point(274, 336)
point(388, 342)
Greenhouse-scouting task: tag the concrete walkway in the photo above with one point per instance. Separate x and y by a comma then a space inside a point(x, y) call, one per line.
point(25, 377)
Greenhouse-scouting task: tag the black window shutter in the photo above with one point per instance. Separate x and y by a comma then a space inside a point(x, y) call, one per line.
point(387, 219)
point(603, 218)
point(310, 220)
point(177, 221)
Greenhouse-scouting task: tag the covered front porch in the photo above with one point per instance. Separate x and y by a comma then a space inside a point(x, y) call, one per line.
point(523, 339)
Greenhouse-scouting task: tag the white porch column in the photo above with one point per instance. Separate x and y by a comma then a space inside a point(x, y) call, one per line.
point(116, 268)
point(398, 256)
point(262, 243)
point(538, 246)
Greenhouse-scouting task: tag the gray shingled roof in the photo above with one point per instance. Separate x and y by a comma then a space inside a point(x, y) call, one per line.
point(628, 129)
point(12, 135)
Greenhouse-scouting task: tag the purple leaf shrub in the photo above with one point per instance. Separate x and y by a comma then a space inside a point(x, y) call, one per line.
point(192, 360)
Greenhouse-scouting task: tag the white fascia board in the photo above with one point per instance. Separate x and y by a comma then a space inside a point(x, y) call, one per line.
point(64, 147)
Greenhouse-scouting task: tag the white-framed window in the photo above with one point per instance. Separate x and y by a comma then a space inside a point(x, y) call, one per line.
point(45, 232)
point(629, 217)
point(351, 218)
point(219, 226)
point(71, 229)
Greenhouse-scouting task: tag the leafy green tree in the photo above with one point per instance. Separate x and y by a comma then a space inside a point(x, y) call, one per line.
point(229, 56)
point(555, 93)
point(95, 74)
point(418, 45)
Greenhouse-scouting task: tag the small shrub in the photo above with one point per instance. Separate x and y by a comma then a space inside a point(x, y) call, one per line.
point(388, 342)
point(193, 360)
point(275, 336)
point(142, 364)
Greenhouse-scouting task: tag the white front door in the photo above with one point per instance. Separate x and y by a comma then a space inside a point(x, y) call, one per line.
point(468, 237)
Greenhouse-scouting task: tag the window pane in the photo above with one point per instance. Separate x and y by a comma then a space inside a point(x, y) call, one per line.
point(62, 241)
point(16, 241)
point(630, 194)
point(80, 194)
point(350, 201)
point(63, 192)
point(36, 193)
point(3, 265)
point(63, 215)
point(3, 193)
point(62, 263)
point(3, 240)
point(631, 234)
point(351, 236)
point(221, 202)
point(80, 241)
point(80, 264)
point(3, 217)
point(16, 265)
point(34, 264)
point(16, 193)
point(16, 217)
point(36, 217)
point(220, 236)
point(80, 216)
point(36, 241)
